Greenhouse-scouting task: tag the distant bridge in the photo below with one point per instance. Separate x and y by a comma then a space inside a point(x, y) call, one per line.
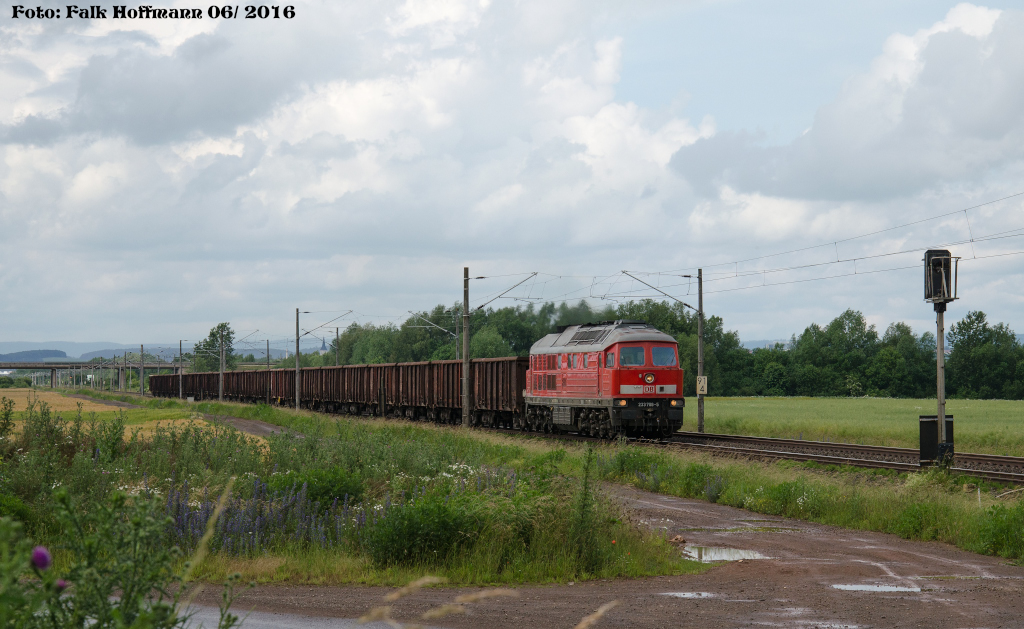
point(71, 372)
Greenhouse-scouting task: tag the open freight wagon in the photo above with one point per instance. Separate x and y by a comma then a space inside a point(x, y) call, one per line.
point(424, 390)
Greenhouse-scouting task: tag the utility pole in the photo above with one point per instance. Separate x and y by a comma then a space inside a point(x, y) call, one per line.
point(297, 359)
point(940, 368)
point(466, 411)
point(337, 346)
point(181, 385)
point(220, 382)
point(142, 367)
point(700, 349)
point(268, 369)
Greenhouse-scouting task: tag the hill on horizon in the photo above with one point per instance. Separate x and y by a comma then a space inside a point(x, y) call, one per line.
point(32, 356)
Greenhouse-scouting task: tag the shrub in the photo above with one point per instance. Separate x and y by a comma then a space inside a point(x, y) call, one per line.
point(916, 521)
point(694, 479)
point(1001, 532)
point(6, 415)
point(713, 488)
point(632, 460)
point(422, 532)
point(323, 486)
point(13, 507)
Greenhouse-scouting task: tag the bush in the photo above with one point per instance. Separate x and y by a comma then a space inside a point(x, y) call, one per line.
point(422, 532)
point(633, 460)
point(917, 521)
point(1001, 532)
point(694, 479)
point(323, 486)
point(13, 507)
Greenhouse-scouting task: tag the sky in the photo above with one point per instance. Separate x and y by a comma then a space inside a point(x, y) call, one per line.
point(159, 176)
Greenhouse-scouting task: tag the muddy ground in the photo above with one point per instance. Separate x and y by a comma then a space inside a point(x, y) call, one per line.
point(929, 584)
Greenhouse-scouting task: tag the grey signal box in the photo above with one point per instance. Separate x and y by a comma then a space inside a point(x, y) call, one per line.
point(939, 276)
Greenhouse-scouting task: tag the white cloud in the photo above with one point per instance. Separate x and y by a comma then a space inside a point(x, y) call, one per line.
point(361, 154)
point(936, 108)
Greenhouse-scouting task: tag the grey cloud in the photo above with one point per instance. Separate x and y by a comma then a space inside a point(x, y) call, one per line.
point(210, 85)
point(962, 117)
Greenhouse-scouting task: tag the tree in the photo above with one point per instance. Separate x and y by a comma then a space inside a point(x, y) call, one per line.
point(206, 353)
point(833, 360)
point(774, 379)
point(487, 343)
point(985, 360)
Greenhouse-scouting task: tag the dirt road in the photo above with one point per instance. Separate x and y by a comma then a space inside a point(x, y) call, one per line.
point(795, 585)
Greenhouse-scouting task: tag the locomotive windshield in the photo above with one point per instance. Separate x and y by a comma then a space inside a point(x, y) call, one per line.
point(663, 356)
point(631, 357)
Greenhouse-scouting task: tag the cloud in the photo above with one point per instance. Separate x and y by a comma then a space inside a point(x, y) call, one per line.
point(362, 153)
point(937, 108)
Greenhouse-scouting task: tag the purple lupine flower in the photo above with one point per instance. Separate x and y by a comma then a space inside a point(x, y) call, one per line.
point(41, 558)
point(61, 585)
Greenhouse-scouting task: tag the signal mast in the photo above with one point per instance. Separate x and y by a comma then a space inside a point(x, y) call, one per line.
point(940, 286)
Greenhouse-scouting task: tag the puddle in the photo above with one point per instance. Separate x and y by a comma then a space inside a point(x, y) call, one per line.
point(708, 554)
point(875, 588)
point(740, 529)
point(689, 594)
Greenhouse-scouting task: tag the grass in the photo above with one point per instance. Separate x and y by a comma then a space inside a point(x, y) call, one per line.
point(931, 505)
point(981, 426)
point(427, 500)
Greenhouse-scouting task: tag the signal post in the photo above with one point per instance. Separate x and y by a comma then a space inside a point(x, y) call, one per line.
point(940, 288)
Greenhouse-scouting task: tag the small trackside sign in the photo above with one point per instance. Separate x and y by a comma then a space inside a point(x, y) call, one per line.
point(702, 385)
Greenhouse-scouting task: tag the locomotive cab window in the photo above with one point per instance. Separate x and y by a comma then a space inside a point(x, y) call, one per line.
point(631, 357)
point(609, 360)
point(663, 356)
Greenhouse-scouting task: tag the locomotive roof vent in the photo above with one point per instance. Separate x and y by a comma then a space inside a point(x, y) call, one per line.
point(588, 336)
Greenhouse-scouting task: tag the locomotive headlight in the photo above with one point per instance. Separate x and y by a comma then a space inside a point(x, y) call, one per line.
point(649, 378)
point(622, 402)
point(674, 402)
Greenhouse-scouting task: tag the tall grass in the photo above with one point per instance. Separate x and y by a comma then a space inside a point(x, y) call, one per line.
point(928, 505)
point(384, 498)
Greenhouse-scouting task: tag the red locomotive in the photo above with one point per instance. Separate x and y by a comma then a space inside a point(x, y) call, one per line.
point(605, 379)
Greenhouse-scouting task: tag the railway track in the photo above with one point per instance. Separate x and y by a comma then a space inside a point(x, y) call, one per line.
point(1007, 469)
point(988, 466)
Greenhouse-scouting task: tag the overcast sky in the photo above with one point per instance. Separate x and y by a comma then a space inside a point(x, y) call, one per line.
point(160, 176)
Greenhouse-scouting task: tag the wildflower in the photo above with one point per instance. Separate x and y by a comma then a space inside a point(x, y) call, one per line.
point(41, 557)
point(61, 585)
point(613, 541)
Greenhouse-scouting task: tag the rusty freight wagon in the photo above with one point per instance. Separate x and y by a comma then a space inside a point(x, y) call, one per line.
point(420, 391)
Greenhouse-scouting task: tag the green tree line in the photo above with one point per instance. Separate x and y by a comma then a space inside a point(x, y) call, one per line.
point(846, 357)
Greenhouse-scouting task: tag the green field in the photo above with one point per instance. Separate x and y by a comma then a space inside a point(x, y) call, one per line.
point(981, 426)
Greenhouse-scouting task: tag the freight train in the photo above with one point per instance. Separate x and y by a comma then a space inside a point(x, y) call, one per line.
point(602, 380)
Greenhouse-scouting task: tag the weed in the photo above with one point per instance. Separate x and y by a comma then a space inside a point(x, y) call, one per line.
point(1001, 532)
point(6, 415)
